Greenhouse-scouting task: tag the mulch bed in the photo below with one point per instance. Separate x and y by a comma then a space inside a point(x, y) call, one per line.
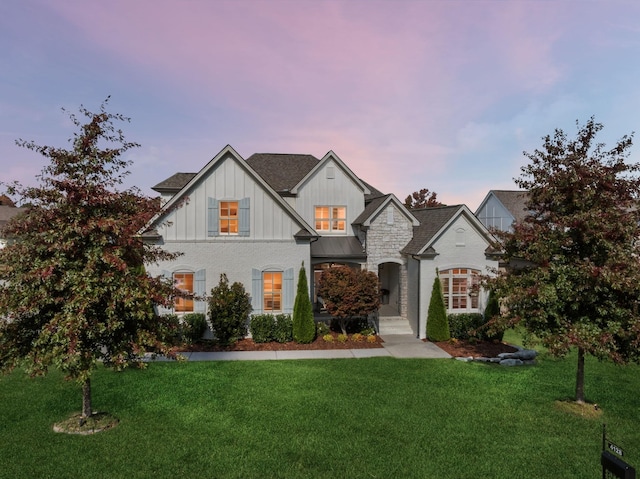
point(456, 348)
point(248, 344)
point(477, 349)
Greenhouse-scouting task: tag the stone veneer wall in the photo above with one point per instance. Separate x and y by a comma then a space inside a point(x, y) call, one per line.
point(385, 240)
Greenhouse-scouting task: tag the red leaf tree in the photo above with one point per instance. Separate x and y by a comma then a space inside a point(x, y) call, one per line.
point(73, 288)
point(575, 280)
point(349, 293)
point(422, 199)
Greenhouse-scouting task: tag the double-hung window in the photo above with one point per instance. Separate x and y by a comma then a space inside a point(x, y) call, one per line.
point(272, 291)
point(228, 218)
point(184, 282)
point(460, 288)
point(331, 219)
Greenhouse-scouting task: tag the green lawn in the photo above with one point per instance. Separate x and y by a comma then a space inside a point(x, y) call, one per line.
point(368, 418)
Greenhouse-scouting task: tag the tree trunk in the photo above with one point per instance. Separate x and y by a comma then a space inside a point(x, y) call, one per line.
point(86, 399)
point(580, 377)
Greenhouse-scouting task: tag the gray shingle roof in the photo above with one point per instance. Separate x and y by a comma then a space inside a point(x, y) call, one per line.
point(375, 193)
point(431, 221)
point(174, 183)
point(515, 201)
point(282, 171)
point(370, 207)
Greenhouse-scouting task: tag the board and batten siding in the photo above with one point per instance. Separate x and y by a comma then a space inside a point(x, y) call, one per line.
point(228, 180)
point(330, 186)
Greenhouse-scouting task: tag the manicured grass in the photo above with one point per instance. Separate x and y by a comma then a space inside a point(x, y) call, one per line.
point(352, 418)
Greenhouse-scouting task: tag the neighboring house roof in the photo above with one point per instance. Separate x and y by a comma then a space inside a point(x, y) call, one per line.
point(376, 205)
point(343, 247)
point(226, 152)
point(282, 171)
point(435, 221)
point(6, 201)
point(515, 201)
point(7, 212)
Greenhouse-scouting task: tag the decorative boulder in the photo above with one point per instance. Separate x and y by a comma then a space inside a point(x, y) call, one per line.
point(511, 362)
point(524, 354)
point(527, 354)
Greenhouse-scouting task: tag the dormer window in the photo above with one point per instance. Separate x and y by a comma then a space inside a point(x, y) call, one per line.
point(331, 219)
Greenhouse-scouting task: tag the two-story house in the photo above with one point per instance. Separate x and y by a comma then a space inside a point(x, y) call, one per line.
point(257, 220)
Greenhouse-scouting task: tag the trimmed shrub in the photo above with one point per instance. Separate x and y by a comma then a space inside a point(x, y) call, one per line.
point(437, 324)
point(464, 325)
point(262, 327)
point(304, 326)
point(343, 337)
point(229, 309)
point(471, 326)
point(283, 332)
point(194, 326)
point(322, 328)
point(328, 338)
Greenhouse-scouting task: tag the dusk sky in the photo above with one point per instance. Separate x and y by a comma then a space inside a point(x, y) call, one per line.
point(444, 95)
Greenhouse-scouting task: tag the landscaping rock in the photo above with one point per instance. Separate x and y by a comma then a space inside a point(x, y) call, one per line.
point(511, 362)
point(465, 360)
point(525, 354)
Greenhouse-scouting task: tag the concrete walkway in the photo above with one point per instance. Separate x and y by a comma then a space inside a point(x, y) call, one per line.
point(395, 345)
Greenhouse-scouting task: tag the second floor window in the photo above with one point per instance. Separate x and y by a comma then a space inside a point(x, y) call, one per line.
point(228, 217)
point(331, 219)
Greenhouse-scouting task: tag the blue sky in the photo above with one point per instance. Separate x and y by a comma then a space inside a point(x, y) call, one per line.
point(410, 94)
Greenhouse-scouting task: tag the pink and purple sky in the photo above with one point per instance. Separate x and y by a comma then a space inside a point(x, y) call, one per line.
point(442, 94)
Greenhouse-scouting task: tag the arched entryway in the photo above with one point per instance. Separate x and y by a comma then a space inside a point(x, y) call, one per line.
point(390, 285)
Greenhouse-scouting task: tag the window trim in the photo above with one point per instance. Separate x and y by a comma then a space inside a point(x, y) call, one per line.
point(272, 295)
point(184, 305)
point(229, 220)
point(460, 286)
point(332, 219)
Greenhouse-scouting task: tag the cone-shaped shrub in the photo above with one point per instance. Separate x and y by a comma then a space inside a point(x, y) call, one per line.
point(437, 322)
point(492, 310)
point(304, 326)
